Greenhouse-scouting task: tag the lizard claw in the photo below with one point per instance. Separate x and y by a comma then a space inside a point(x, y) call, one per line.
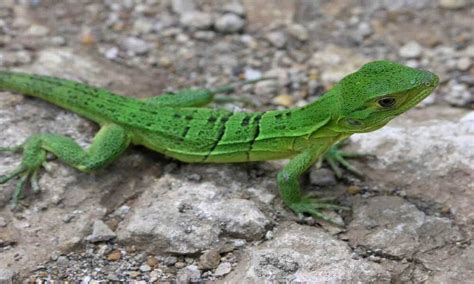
point(336, 158)
point(312, 206)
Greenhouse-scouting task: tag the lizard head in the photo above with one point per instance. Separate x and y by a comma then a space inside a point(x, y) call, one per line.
point(378, 92)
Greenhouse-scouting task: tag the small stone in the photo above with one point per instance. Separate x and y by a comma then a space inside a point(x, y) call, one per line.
point(196, 20)
point(464, 63)
point(353, 189)
point(152, 261)
point(87, 38)
point(364, 30)
point(458, 95)
point(267, 87)
point(180, 264)
point(223, 269)
point(182, 6)
point(134, 273)
point(135, 45)
point(453, 4)
point(205, 35)
point(7, 276)
point(170, 260)
point(283, 100)
point(188, 274)
point(234, 8)
point(100, 232)
point(3, 222)
point(299, 32)
point(145, 268)
point(114, 255)
point(37, 30)
point(210, 259)
point(252, 74)
point(111, 53)
point(411, 50)
point(229, 23)
point(277, 39)
point(322, 177)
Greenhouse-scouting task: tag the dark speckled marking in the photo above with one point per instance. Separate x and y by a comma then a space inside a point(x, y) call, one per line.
point(256, 122)
point(246, 120)
point(211, 119)
point(220, 134)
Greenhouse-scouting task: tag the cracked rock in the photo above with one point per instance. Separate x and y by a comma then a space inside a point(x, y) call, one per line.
point(188, 217)
point(305, 254)
point(395, 227)
point(101, 232)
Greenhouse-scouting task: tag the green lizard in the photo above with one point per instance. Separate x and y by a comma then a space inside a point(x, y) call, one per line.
point(177, 125)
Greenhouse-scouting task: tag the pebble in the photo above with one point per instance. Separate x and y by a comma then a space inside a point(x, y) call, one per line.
point(135, 45)
point(111, 53)
point(229, 23)
point(283, 100)
point(114, 255)
point(196, 20)
point(277, 39)
point(453, 4)
point(299, 32)
point(3, 222)
point(37, 31)
point(223, 269)
point(322, 177)
point(145, 268)
point(182, 6)
point(100, 232)
point(188, 274)
point(464, 63)
point(7, 275)
point(152, 261)
point(234, 8)
point(458, 95)
point(267, 87)
point(204, 35)
point(411, 50)
point(210, 259)
point(252, 74)
point(353, 189)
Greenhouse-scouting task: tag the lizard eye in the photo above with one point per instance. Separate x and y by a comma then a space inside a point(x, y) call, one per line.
point(386, 102)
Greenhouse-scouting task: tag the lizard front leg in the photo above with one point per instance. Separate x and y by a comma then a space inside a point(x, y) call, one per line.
point(107, 145)
point(288, 182)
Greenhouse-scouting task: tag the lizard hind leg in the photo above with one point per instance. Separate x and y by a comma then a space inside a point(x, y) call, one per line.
point(107, 145)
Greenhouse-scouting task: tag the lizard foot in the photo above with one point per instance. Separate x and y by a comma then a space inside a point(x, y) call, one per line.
point(337, 158)
point(27, 172)
point(313, 206)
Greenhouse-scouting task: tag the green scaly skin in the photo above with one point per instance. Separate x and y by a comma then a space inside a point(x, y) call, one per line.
point(178, 126)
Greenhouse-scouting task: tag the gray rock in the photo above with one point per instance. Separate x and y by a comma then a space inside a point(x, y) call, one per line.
point(229, 23)
point(430, 157)
point(37, 31)
point(210, 259)
point(196, 20)
point(299, 32)
point(186, 217)
point(7, 276)
point(277, 39)
point(411, 50)
point(322, 177)
point(234, 8)
point(135, 45)
point(145, 268)
point(392, 226)
point(100, 232)
point(183, 6)
point(305, 254)
point(464, 63)
point(453, 4)
point(188, 274)
point(223, 269)
point(3, 222)
point(458, 94)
